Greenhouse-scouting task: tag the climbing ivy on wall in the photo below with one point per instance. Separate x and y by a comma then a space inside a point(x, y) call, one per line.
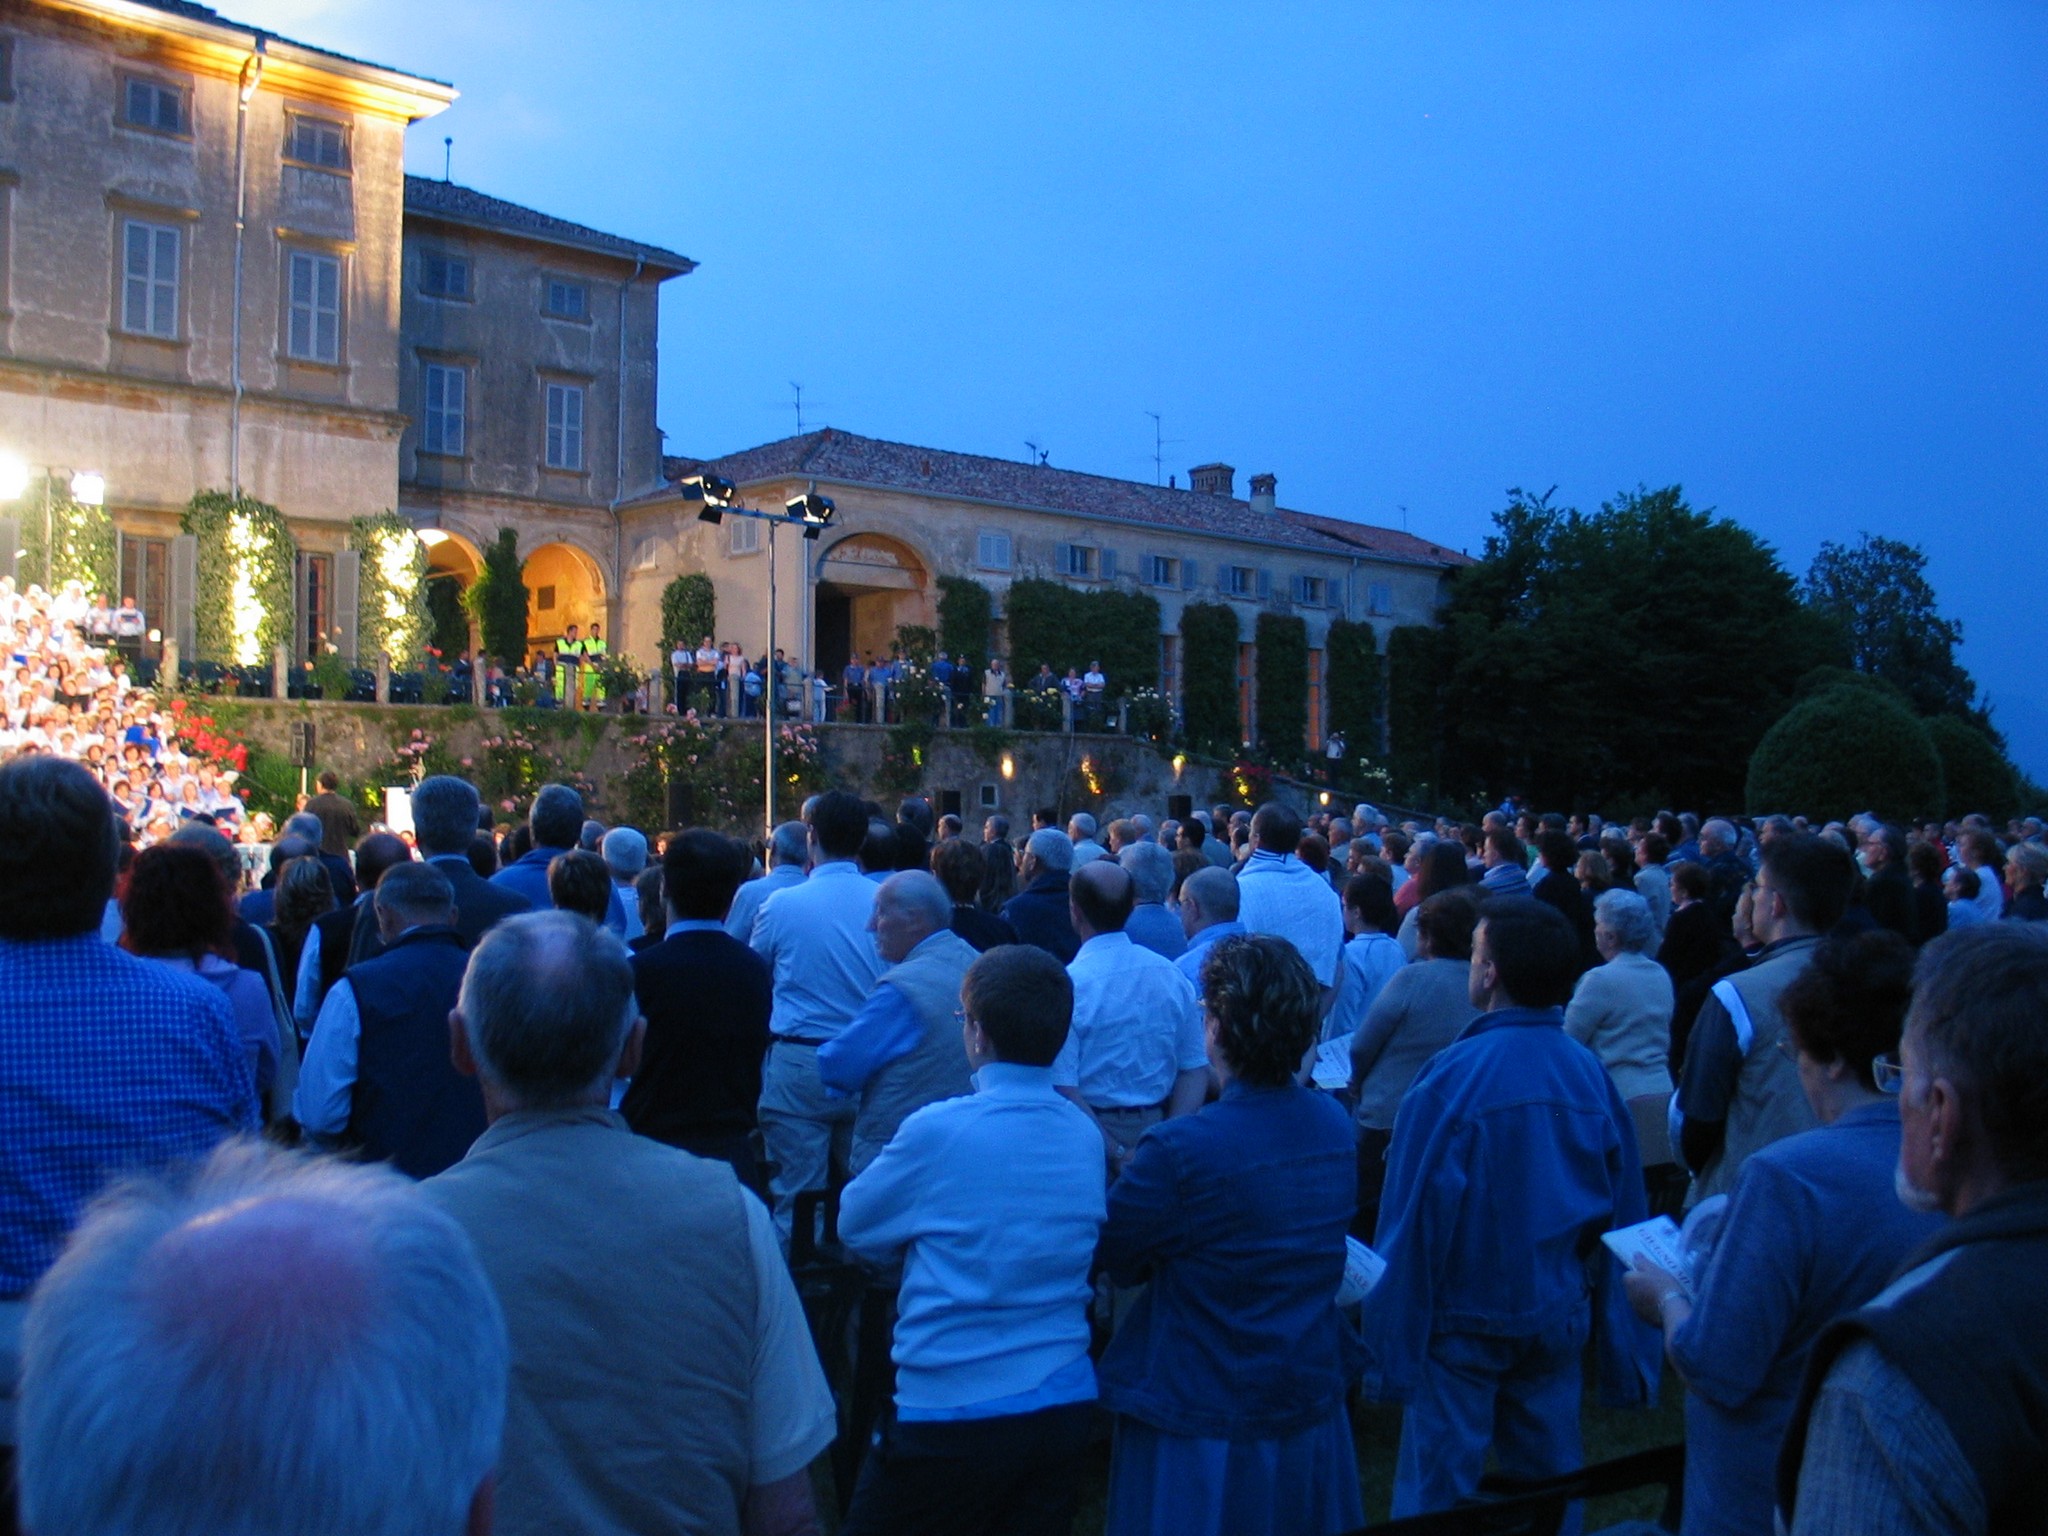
point(243, 607)
point(966, 612)
point(1208, 647)
point(81, 541)
point(1413, 652)
point(1058, 625)
point(689, 611)
point(1282, 649)
point(391, 611)
point(1357, 688)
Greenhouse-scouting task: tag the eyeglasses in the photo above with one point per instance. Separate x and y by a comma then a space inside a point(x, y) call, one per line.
point(1886, 1072)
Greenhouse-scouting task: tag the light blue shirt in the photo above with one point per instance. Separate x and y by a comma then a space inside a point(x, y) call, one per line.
point(1136, 1026)
point(1370, 961)
point(325, 1095)
point(992, 1203)
point(1191, 958)
point(1280, 895)
point(815, 938)
point(529, 877)
point(886, 1029)
point(1157, 929)
point(746, 901)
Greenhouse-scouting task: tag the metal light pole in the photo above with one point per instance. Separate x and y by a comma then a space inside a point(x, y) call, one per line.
point(768, 696)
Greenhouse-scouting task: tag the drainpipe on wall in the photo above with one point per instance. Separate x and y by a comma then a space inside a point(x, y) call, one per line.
point(617, 617)
point(252, 76)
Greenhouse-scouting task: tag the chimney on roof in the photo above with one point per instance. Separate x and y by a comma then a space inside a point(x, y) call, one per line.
point(1262, 493)
point(1213, 479)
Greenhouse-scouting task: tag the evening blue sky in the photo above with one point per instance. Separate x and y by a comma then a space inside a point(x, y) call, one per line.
point(1403, 256)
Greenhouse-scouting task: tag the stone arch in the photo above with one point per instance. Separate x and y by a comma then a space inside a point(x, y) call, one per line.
point(564, 585)
point(453, 564)
point(866, 586)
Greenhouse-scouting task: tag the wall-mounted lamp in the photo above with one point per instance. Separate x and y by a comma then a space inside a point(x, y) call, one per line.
point(1009, 766)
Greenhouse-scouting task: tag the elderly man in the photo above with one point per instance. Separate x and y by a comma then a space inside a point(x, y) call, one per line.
point(1887, 890)
point(556, 821)
point(789, 852)
point(1151, 925)
point(815, 939)
point(903, 1049)
point(1511, 1155)
point(624, 851)
point(1280, 895)
point(1739, 1091)
point(1727, 873)
point(1039, 911)
point(444, 817)
point(662, 1375)
point(377, 1075)
point(278, 1344)
point(1135, 1054)
point(1208, 914)
point(992, 1204)
point(1081, 831)
point(1924, 1412)
point(340, 938)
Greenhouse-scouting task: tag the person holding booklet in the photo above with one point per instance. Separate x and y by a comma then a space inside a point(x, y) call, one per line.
point(1813, 1230)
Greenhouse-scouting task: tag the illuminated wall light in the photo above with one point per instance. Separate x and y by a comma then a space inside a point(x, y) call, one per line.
point(1009, 766)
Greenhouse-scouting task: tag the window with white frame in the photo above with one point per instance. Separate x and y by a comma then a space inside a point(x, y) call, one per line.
point(1241, 580)
point(444, 276)
point(1162, 571)
point(313, 328)
point(992, 551)
point(565, 426)
point(743, 535)
point(316, 141)
point(445, 419)
point(153, 105)
point(1379, 598)
point(149, 281)
point(1082, 561)
point(566, 300)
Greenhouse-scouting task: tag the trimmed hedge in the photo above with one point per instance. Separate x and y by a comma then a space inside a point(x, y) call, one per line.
point(1208, 646)
point(498, 600)
point(1055, 624)
point(1846, 750)
point(1357, 686)
point(689, 611)
point(1976, 773)
point(1414, 660)
point(1282, 665)
point(967, 613)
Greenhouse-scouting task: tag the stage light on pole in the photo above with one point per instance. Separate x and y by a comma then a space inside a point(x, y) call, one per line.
point(813, 511)
point(715, 491)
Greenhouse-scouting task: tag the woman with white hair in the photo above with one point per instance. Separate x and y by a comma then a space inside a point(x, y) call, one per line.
point(1621, 1009)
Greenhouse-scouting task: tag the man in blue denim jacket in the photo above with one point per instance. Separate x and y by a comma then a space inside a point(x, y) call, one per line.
point(1512, 1154)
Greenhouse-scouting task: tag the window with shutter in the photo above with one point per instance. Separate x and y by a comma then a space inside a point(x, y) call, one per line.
point(565, 427)
point(1187, 575)
point(444, 421)
point(1107, 564)
point(315, 141)
point(149, 285)
point(1265, 583)
point(313, 326)
point(992, 551)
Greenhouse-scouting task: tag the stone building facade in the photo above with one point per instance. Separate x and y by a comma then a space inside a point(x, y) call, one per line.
point(908, 515)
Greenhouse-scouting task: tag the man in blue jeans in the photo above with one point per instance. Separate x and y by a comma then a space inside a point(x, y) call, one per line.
point(992, 1204)
point(1513, 1152)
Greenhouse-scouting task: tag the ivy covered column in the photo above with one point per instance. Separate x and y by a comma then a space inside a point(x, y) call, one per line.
point(391, 605)
point(243, 601)
point(64, 540)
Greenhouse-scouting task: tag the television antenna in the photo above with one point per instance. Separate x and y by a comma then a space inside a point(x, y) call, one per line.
point(1035, 454)
point(1159, 449)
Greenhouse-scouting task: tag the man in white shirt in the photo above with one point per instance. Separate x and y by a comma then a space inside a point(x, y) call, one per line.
point(1081, 832)
point(788, 859)
point(1135, 1054)
point(1280, 895)
point(992, 1203)
point(815, 938)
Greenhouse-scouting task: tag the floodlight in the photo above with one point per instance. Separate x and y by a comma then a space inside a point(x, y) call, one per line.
point(89, 489)
point(13, 477)
point(433, 536)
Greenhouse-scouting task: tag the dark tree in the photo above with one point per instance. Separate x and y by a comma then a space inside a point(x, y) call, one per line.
point(1208, 643)
point(689, 611)
point(1876, 595)
point(1357, 686)
point(498, 599)
point(1282, 642)
point(966, 613)
point(1845, 750)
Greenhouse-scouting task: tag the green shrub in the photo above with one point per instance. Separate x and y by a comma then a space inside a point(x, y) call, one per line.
point(1976, 773)
point(1208, 648)
point(1052, 623)
point(689, 611)
point(1282, 661)
point(81, 540)
point(448, 622)
point(1842, 751)
point(966, 614)
point(1413, 664)
point(498, 599)
point(1357, 687)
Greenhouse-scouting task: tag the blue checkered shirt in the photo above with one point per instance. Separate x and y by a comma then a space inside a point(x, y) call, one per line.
point(108, 1064)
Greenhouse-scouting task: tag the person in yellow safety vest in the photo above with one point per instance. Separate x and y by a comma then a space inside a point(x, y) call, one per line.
point(593, 676)
point(568, 666)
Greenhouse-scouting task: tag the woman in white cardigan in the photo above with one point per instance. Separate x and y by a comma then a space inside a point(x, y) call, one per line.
point(1622, 1008)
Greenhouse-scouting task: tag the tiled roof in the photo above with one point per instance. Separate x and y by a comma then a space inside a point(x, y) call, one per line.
point(463, 205)
point(830, 454)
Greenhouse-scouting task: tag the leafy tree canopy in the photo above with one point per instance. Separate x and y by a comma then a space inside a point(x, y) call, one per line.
point(1846, 750)
point(1876, 595)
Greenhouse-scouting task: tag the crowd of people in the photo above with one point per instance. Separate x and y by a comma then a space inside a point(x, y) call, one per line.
point(454, 1180)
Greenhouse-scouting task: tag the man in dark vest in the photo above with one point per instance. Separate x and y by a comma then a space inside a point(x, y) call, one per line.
point(1927, 1411)
point(444, 821)
point(377, 1074)
point(348, 934)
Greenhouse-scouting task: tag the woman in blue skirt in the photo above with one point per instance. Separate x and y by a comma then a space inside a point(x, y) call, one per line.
point(1228, 1378)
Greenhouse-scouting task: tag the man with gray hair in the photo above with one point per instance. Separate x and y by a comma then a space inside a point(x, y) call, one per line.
point(663, 1376)
point(1151, 925)
point(444, 817)
point(903, 1049)
point(1081, 829)
point(1039, 911)
point(1208, 915)
point(1727, 871)
point(556, 821)
point(282, 1344)
point(377, 1077)
point(624, 850)
point(788, 855)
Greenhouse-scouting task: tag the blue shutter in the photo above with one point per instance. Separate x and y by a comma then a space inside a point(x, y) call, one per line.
point(1108, 565)
point(1265, 583)
point(1187, 575)
point(1065, 557)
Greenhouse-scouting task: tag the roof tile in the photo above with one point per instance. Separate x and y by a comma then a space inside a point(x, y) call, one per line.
point(464, 205)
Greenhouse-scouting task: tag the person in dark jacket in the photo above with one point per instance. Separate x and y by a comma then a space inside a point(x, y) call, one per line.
point(1560, 888)
point(444, 818)
point(349, 933)
point(914, 834)
point(959, 865)
point(1038, 913)
point(1924, 861)
point(1927, 1410)
point(706, 998)
point(1887, 890)
point(1695, 940)
point(377, 1075)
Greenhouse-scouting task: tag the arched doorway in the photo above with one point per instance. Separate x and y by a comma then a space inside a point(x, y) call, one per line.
point(868, 586)
point(453, 564)
point(563, 586)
